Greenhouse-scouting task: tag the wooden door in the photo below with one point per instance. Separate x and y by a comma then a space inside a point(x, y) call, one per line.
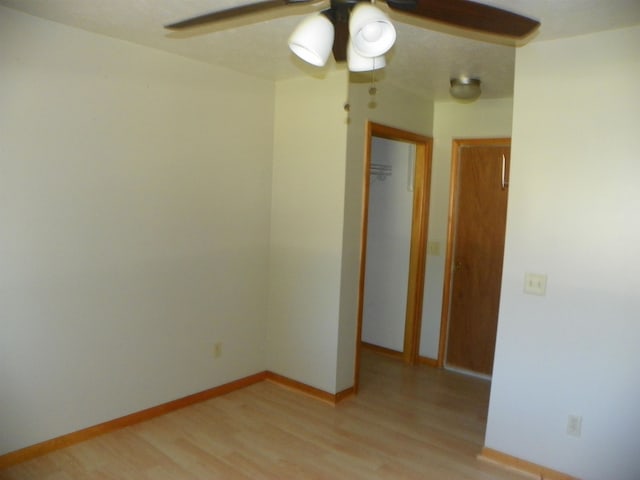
point(478, 217)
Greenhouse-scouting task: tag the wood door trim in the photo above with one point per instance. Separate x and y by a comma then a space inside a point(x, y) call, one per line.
point(417, 255)
point(453, 185)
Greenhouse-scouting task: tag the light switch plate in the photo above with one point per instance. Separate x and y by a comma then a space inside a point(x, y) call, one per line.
point(433, 248)
point(535, 283)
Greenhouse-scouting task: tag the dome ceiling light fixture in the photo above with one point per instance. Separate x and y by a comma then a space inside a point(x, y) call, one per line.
point(465, 88)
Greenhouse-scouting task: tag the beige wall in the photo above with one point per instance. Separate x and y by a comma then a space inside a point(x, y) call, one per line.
point(134, 203)
point(573, 215)
point(480, 119)
point(306, 228)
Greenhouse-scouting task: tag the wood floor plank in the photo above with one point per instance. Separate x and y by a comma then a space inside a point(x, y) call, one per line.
point(405, 423)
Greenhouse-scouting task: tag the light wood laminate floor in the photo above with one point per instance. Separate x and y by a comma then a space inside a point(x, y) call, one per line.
point(406, 423)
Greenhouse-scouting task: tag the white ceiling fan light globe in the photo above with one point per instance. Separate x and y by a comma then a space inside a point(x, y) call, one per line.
point(312, 39)
point(359, 63)
point(371, 30)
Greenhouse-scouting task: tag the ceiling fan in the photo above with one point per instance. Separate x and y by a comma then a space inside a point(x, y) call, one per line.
point(333, 29)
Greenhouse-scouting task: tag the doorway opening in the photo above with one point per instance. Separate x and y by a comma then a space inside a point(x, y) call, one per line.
point(400, 268)
point(475, 251)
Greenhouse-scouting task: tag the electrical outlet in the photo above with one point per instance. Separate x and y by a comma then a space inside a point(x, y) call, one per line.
point(535, 283)
point(217, 350)
point(574, 425)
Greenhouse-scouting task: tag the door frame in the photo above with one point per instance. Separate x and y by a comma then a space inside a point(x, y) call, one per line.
point(418, 247)
point(453, 190)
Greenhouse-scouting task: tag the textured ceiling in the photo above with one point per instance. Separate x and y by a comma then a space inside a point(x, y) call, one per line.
point(424, 58)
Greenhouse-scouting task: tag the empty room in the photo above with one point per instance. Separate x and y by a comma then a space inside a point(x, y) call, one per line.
point(270, 240)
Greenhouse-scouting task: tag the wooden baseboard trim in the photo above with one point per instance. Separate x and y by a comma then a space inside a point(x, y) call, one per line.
point(431, 362)
point(42, 448)
point(27, 453)
point(383, 350)
point(344, 394)
point(543, 473)
point(314, 392)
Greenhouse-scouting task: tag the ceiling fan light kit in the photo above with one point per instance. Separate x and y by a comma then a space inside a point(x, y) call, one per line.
point(356, 26)
point(372, 33)
point(312, 39)
point(465, 88)
point(360, 63)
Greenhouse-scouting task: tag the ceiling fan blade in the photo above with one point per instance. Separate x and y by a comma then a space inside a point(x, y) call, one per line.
point(233, 12)
point(470, 15)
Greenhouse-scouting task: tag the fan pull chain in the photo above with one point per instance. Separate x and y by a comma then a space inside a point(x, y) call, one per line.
point(372, 88)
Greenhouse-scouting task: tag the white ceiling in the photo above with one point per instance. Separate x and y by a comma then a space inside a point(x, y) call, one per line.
point(422, 60)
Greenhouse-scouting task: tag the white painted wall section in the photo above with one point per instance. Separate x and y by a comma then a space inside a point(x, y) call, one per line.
point(573, 209)
point(134, 212)
point(306, 229)
point(388, 243)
